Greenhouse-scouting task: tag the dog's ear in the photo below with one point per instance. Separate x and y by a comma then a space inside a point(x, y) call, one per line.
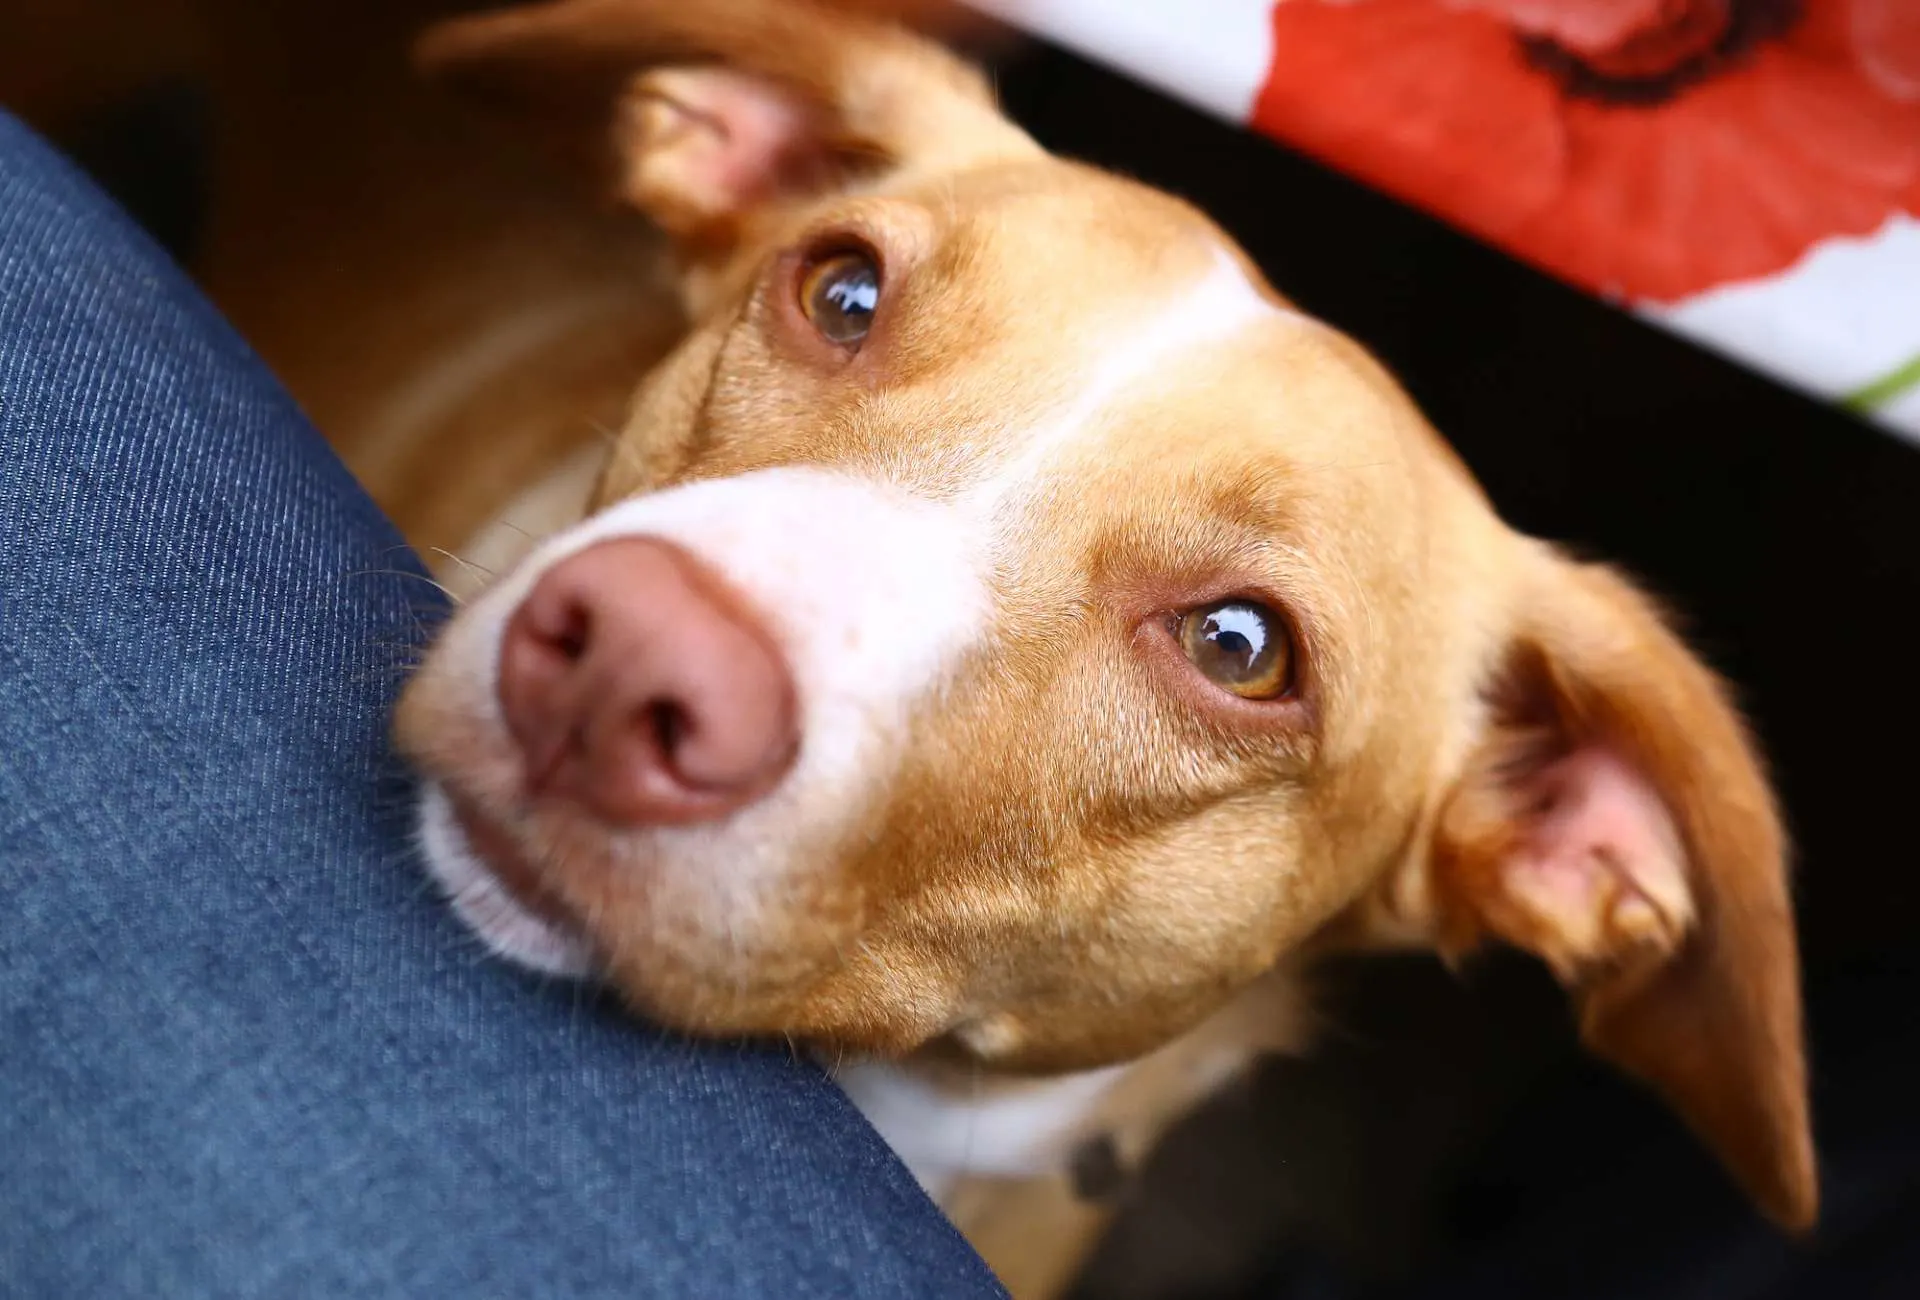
point(1614, 819)
point(716, 109)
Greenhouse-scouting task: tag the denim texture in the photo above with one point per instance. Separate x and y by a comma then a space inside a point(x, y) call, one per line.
point(244, 1050)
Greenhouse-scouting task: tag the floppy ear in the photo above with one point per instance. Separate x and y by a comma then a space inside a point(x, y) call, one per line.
point(1615, 821)
point(706, 111)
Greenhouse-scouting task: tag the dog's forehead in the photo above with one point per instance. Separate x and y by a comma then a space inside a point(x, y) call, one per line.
point(1063, 334)
point(1054, 307)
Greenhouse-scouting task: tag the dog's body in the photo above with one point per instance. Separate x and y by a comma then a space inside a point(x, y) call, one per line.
point(1031, 861)
point(434, 295)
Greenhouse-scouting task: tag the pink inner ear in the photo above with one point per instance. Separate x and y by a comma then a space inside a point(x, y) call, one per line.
point(715, 142)
point(1599, 868)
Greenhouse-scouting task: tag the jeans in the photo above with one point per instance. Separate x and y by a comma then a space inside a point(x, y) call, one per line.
point(244, 1049)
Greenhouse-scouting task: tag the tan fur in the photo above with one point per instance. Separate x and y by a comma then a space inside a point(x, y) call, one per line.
point(1020, 901)
point(1710, 1022)
point(1035, 903)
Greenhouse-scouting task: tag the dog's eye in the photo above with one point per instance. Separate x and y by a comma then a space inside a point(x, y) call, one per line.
point(1241, 646)
point(839, 294)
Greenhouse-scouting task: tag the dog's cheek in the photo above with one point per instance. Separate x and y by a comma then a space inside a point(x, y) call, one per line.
point(428, 721)
point(444, 729)
point(798, 969)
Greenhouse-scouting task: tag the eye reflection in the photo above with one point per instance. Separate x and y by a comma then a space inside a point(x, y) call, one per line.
point(839, 296)
point(1241, 646)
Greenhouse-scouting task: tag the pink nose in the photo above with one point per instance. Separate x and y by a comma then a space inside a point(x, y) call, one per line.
point(638, 688)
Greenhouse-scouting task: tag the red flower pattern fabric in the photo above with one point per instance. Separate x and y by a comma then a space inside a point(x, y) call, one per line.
point(1646, 149)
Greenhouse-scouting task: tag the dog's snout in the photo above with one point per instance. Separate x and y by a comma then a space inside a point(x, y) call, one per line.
point(637, 687)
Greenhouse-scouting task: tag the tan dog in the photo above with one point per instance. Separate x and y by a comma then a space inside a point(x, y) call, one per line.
point(1006, 640)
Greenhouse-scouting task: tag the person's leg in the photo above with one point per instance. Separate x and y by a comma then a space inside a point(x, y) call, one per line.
point(243, 1050)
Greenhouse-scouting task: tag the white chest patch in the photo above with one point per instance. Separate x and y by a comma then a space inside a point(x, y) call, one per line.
point(1016, 1128)
point(1007, 1129)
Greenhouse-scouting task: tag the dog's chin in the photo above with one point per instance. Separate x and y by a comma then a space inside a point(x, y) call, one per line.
point(491, 890)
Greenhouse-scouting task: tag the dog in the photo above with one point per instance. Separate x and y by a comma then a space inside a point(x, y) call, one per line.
point(1004, 643)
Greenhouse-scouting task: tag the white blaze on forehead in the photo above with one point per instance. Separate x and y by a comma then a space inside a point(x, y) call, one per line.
point(1135, 355)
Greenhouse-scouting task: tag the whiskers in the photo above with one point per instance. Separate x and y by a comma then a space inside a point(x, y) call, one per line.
point(412, 575)
point(480, 573)
point(423, 611)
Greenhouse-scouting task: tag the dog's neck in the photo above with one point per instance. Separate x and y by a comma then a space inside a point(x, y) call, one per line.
point(950, 1122)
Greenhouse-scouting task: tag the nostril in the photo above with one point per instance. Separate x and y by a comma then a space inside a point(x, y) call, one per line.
point(669, 724)
point(564, 627)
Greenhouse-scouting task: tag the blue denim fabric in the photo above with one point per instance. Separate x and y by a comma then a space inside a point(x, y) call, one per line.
point(243, 1049)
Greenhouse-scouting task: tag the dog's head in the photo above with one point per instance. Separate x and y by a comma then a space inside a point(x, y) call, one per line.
point(1004, 624)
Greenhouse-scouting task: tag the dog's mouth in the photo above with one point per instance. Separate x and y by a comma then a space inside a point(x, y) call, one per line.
point(496, 890)
point(509, 865)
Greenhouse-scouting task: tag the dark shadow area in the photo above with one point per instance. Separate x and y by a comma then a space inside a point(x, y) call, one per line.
point(150, 151)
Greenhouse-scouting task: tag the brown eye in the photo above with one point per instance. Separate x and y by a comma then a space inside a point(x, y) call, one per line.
point(1241, 646)
point(839, 295)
